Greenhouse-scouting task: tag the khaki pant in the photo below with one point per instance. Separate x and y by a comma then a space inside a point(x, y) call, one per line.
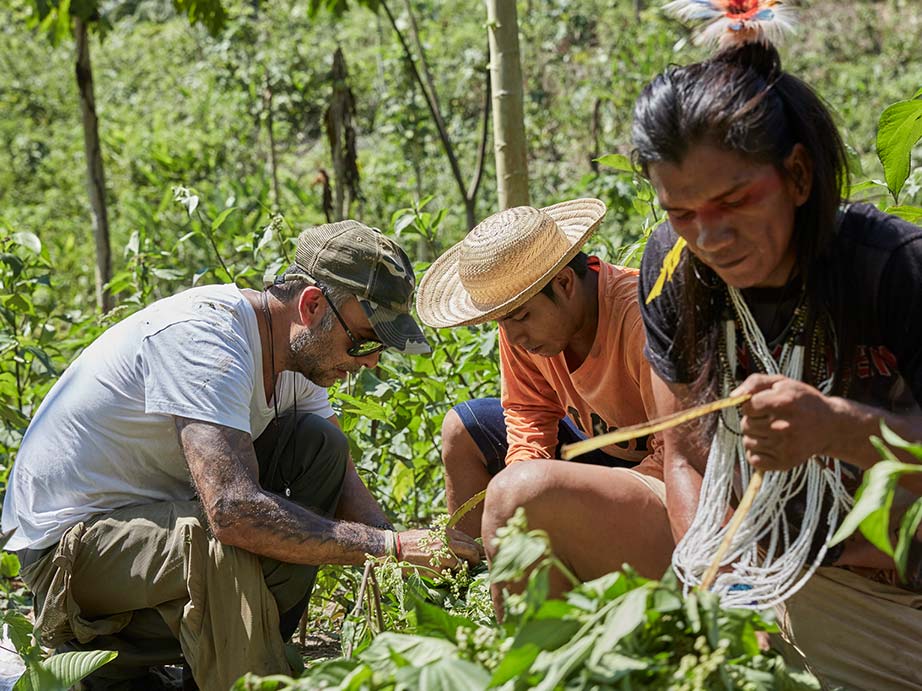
point(855, 633)
point(150, 582)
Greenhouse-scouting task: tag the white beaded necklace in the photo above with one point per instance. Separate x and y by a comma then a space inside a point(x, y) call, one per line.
point(759, 577)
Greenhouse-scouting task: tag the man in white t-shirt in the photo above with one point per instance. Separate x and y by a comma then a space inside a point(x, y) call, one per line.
point(179, 485)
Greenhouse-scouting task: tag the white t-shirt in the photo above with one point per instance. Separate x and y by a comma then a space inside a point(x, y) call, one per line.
point(104, 437)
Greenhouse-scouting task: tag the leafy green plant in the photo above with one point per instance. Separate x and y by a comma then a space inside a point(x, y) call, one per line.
point(42, 673)
point(874, 500)
point(618, 631)
point(899, 130)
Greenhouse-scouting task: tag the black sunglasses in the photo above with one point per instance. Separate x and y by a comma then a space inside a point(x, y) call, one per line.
point(360, 347)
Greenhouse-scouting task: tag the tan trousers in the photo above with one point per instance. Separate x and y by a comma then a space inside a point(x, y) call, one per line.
point(151, 583)
point(855, 633)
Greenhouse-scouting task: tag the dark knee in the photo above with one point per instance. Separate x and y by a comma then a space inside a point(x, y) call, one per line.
point(326, 439)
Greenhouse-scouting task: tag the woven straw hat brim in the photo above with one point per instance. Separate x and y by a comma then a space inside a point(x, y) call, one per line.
point(442, 301)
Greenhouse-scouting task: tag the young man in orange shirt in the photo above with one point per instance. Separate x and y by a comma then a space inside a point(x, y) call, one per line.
point(572, 364)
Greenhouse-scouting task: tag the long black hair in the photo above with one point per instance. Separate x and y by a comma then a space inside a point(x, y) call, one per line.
point(741, 100)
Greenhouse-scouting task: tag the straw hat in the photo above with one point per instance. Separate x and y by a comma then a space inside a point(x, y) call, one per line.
point(504, 261)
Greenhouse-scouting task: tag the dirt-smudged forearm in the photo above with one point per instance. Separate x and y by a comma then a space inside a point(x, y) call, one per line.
point(224, 470)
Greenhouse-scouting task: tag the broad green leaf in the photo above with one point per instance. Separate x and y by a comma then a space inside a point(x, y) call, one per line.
point(38, 678)
point(28, 240)
point(452, 674)
point(898, 131)
point(9, 564)
point(416, 650)
point(70, 668)
point(913, 214)
point(546, 634)
point(871, 512)
point(616, 161)
point(437, 622)
point(515, 663)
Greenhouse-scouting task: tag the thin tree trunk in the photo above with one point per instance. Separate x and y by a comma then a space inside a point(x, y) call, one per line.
point(273, 153)
point(508, 113)
point(96, 181)
point(341, 135)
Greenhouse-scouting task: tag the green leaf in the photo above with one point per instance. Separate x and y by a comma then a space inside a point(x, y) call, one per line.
point(873, 500)
point(565, 662)
point(28, 240)
point(898, 131)
point(416, 650)
point(70, 668)
point(546, 634)
point(515, 663)
point(452, 674)
point(168, 274)
point(616, 161)
point(433, 620)
point(895, 440)
point(516, 555)
point(37, 678)
point(630, 614)
point(908, 527)
point(219, 221)
point(913, 214)
point(9, 565)
point(364, 407)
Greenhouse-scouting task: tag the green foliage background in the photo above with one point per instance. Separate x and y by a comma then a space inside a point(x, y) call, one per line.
point(179, 107)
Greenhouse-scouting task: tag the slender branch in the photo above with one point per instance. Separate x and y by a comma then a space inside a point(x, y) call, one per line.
point(430, 102)
point(414, 33)
point(377, 600)
point(484, 135)
point(210, 235)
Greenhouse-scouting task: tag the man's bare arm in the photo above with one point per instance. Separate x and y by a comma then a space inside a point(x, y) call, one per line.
point(224, 469)
point(240, 512)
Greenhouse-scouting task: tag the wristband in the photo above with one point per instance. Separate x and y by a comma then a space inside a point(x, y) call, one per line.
point(399, 554)
point(390, 544)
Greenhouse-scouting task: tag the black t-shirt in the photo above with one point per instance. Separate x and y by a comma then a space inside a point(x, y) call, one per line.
point(879, 258)
point(878, 263)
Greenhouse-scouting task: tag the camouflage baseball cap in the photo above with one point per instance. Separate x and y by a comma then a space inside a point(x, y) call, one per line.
point(365, 262)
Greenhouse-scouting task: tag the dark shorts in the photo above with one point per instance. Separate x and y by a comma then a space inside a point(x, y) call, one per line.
point(483, 420)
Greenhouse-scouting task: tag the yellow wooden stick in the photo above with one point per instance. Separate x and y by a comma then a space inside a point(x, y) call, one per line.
point(755, 483)
point(569, 451)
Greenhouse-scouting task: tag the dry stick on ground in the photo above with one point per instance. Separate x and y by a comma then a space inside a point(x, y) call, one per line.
point(369, 568)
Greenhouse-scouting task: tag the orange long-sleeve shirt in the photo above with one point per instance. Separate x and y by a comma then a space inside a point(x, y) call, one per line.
point(609, 390)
